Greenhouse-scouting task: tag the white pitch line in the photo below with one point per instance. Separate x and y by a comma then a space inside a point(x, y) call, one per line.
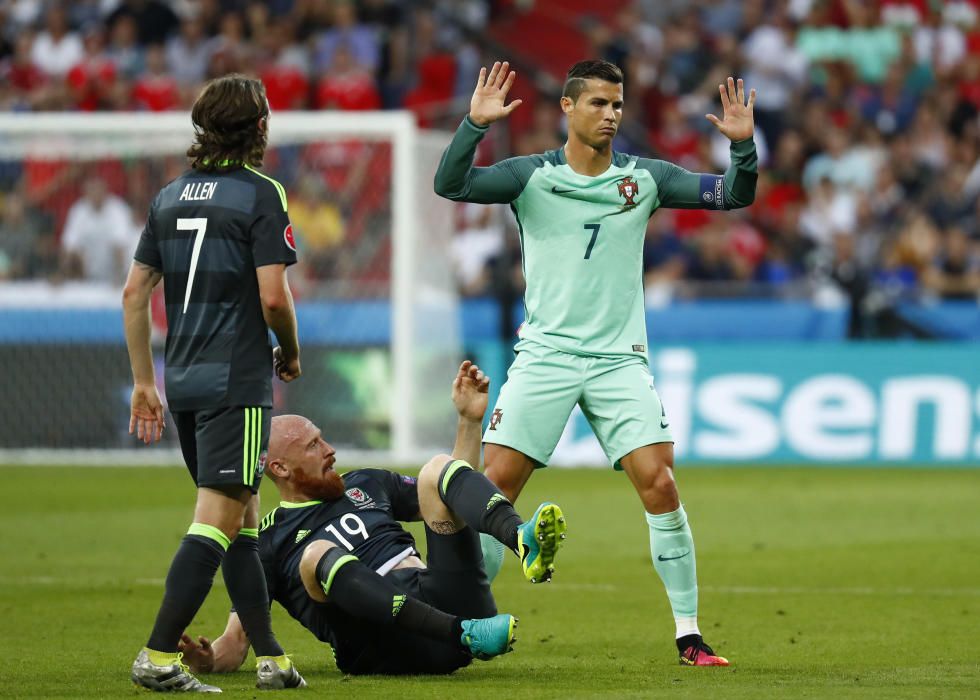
point(839, 590)
point(597, 587)
point(98, 582)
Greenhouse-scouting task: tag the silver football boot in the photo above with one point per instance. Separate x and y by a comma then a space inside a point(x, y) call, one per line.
point(271, 676)
point(174, 678)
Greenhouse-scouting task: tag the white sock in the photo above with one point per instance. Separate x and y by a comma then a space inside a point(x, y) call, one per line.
point(686, 626)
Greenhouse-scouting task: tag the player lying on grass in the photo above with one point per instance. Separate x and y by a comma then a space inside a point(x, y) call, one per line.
point(582, 212)
point(337, 560)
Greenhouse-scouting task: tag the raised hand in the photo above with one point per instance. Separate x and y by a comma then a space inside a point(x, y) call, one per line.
point(471, 392)
point(487, 103)
point(736, 122)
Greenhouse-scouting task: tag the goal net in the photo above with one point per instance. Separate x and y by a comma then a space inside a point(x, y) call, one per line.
point(376, 300)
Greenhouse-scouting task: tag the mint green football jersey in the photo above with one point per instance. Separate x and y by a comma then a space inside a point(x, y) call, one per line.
point(582, 236)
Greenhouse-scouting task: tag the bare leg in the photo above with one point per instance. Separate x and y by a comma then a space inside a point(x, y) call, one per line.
point(651, 471)
point(507, 468)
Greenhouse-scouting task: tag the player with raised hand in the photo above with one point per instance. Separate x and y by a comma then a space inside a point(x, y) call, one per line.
point(219, 238)
point(582, 214)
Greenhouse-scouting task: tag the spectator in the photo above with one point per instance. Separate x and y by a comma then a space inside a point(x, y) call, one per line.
point(57, 48)
point(845, 165)
point(360, 40)
point(676, 140)
point(318, 224)
point(789, 252)
point(25, 81)
point(86, 13)
point(776, 69)
point(948, 200)
point(711, 259)
point(97, 235)
point(188, 53)
point(154, 21)
point(868, 47)
point(124, 49)
point(436, 74)
point(664, 260)
point(955, 272)
point(939, 43)
point(156, 90)
point(544, 135)
point(25, 241)
point(829, 212)
point(479, 239)
point(230, 51)
point(91, 80)
point(347, 86)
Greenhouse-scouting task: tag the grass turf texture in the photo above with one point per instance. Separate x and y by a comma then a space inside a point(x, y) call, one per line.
point(814, 582)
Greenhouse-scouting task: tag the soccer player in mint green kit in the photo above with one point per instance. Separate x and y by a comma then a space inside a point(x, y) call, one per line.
point(582, 214)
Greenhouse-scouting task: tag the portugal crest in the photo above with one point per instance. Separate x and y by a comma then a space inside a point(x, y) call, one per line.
point(495, 418)
point(628, 189)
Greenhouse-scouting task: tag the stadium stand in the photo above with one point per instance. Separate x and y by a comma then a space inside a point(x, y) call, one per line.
point(867, 129)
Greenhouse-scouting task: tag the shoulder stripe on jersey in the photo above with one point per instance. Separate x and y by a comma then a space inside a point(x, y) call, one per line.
point(279, 188)
point(268, 519)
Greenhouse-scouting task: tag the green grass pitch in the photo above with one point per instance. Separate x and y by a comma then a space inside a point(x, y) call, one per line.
point(816, 583)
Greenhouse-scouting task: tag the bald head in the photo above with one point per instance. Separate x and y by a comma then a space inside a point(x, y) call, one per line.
point(300, 462)
point(286, 430)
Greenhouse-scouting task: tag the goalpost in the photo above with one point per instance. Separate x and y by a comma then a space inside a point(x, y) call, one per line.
point(376, 299)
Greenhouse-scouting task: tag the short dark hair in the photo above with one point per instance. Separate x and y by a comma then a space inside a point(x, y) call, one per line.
point(583, 70)
point(226, 124)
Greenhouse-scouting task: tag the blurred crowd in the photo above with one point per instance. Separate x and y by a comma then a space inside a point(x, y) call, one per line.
point(63, 218)
point(867, 127)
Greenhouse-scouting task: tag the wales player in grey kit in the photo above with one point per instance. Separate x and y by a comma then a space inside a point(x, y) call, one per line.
point(337, 559)
point(219, 238)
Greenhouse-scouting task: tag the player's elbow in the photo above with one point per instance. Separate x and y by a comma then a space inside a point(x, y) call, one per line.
point(444, 187)
point(134, 295)
point(274, 302)
point(740, 192)
point(740, 202)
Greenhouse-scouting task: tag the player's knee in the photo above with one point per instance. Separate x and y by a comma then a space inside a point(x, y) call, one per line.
point(663, 482)
point(252, 512)
point(429, 475)
point(440, 471)
point(658, 490)
point(312, 555)
point(231, 530)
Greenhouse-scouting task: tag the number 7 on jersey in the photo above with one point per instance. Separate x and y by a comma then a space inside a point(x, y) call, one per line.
point(199, 225)
point(595, 235)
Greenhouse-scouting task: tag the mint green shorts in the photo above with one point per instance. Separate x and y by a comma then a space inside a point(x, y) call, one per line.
point(543, 385)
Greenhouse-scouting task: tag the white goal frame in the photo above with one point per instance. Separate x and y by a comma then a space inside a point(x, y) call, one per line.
point(172, 135)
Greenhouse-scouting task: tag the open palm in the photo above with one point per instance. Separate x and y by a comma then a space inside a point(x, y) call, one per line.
point(737, 122)
point(487, 103)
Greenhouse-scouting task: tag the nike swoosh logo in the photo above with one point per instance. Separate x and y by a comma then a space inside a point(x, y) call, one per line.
point(661, 557)
point(555, 190)
point(664, 426)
